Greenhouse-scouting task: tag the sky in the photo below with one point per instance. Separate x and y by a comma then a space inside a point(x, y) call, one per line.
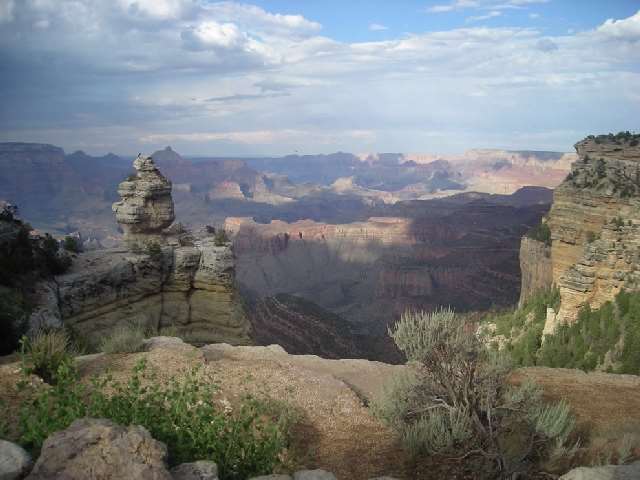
point(275, 77)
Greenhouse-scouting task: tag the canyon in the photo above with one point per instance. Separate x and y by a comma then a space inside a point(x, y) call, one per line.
point(460, 252)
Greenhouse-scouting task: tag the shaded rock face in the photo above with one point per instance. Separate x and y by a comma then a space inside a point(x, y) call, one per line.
point(595, 225)
point(147, 206)
point(100, 449)
point(188, 289)
point(187, 283)
point(457, 252)
point(535, 267)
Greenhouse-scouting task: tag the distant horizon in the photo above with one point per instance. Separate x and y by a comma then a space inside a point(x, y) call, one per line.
point(188, 156)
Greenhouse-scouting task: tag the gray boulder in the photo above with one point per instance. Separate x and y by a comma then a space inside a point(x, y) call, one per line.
point(92, 449)
point(609, 472)
point(14, 461)
point(272, 477)
point(314, 475)
point(201, 470)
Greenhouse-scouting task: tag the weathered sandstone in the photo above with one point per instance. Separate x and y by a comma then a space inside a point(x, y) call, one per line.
point(146, 207)
point(167, 278)
point(595, 225)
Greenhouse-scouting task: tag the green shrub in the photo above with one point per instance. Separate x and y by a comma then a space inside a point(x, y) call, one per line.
point(45, 351)
point(14, 315)
point(123, 339)
point(245, 441)
point(541, 233)
point(457, 401)
point(221, 238)
point(71, 244)
point(154, 250)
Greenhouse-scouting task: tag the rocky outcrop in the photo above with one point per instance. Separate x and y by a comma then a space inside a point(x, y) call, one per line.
point(595, 224)
point(189, 290)
point(146, 207)
point(100, 449)
point(535, 267)
point(167, 278)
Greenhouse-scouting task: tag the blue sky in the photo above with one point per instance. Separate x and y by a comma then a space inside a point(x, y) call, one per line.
point(271, 77)
point(349, 21)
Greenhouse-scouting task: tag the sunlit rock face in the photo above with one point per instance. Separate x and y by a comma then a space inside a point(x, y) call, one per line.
point(146, 207)
point(595, 226)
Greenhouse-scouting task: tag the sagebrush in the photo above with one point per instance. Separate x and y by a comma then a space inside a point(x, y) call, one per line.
point(456, 401)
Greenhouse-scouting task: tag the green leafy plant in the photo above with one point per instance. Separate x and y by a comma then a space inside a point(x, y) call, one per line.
point(244, 440)
point(458, 403)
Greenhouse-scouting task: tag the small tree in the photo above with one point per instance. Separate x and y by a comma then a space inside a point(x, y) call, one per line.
point(71, 244)
point(456, 400)
point(221, 238)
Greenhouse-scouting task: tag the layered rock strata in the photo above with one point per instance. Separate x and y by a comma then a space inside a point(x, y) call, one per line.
point(595, 228)
point(167, 278)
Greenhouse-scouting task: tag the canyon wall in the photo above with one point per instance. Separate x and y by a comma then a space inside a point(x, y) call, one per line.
point(457, 252)
point(595, 228)
point(536, 268)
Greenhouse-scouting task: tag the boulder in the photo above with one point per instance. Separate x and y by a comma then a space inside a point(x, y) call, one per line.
point(200, 470)
point(272, 477)
point(609, 472)
point(14, 461)
point(314, 475)
point(100, 449)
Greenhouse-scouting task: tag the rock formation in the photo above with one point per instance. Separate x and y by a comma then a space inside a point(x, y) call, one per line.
point(595, 229)
point(166, 278)
point(146, 207)
point(535, 267)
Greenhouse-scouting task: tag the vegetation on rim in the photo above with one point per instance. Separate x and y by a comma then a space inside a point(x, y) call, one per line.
point(457, 402)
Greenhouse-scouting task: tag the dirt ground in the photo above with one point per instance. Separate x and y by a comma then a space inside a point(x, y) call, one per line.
point(336, 430)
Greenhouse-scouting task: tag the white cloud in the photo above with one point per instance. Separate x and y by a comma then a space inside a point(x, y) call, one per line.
point(534, 16)
point(487, 16)
point(454, 5)
point(230, 77)
point(213, 35)
point(626, 29)
point(377, 27)
point(158, 9)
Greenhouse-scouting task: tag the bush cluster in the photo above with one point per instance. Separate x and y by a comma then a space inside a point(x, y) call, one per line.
point(541, 233)
point(45, 351)
point(244, 441)
point(604, 338)
point(595, 335)
point(457, 401)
